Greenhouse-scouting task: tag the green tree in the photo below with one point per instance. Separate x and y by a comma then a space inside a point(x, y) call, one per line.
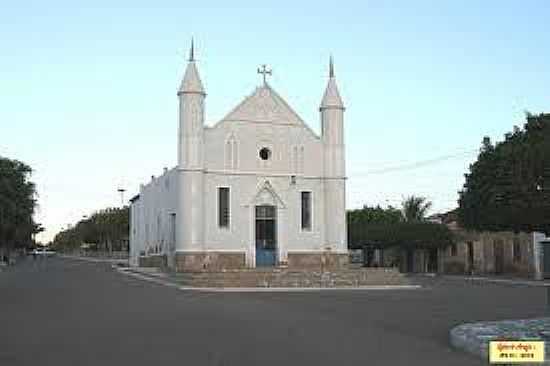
point(107, 229)
point(508, 187)
point(17, 205)
point(415, 208)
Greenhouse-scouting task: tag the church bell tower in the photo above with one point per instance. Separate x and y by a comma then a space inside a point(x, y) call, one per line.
point(190, 201)
point(332, 127)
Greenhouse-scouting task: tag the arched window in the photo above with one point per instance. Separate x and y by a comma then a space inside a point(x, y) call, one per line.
point(301, 160)
point(235, 154)
point(231, 153)
point(295, 159)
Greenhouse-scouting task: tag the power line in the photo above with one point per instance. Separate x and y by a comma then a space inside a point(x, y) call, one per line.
point(416, 165)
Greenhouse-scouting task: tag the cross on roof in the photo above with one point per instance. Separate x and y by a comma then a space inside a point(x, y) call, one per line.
point(264, 71)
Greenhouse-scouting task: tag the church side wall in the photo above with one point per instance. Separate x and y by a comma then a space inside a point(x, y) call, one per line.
point(152, 224)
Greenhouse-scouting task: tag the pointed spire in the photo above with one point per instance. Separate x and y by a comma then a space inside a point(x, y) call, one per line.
point(191, 82)
point(192, 51)
point(331, 98)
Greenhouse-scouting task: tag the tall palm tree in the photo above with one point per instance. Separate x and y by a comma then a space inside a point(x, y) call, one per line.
point(415, 208)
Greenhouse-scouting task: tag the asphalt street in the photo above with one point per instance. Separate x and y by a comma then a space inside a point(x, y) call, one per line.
point(68, 312)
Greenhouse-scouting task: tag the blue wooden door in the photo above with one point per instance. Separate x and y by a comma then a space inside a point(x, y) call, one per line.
point(266, 236)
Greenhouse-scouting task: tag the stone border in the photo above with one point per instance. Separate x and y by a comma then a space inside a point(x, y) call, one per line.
point(474, 337)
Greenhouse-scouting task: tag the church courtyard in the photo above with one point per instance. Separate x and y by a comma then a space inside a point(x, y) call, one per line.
point(66, 312)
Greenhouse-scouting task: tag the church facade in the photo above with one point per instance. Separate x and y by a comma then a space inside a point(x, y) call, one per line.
point(258, 188)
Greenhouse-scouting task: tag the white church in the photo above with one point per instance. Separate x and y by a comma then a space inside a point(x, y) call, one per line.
point(257, 189)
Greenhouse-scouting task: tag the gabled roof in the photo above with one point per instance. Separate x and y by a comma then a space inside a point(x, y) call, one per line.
point(264, 105)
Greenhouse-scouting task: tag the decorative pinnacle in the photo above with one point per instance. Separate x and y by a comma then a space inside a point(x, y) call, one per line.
point(192, 51)
point(331, 68)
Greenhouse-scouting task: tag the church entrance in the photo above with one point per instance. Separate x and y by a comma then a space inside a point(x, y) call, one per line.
point(266, 235)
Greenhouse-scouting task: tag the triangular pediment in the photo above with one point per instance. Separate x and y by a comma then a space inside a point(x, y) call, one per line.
point(264, 105)
point(266, 195)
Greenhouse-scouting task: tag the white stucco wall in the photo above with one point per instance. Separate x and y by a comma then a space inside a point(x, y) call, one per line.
point(151, 231)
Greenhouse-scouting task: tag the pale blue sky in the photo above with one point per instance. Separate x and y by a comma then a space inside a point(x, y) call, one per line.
point(88, 92)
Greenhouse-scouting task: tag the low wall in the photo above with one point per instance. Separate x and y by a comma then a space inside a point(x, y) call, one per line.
point(209, 261)
point(158, 261)
point(324, 261)
point(288, 278)
point(221, 261)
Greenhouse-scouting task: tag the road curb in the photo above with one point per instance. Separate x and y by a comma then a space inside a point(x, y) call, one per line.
point(94, 260)
point(500, 281)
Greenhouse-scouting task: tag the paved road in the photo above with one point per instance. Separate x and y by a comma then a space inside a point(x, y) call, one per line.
point(66, 312)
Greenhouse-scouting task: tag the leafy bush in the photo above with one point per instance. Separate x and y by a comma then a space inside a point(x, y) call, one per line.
point(402, 234)
point(455, 267)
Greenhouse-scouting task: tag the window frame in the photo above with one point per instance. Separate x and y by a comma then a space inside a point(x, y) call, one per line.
point(172, 222)
point(219, 189)
point(231, 153)
point(302, 228)
point(267, 152)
